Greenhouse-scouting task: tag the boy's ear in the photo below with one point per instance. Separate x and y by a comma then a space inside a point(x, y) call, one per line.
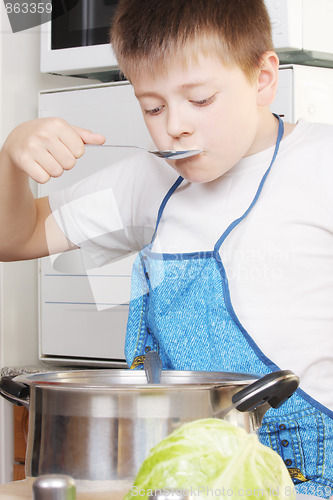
point(268, 78)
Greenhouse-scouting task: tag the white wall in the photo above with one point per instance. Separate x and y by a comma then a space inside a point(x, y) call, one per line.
point(20, 82)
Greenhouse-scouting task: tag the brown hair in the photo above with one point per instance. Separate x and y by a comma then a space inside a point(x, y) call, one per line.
point(147, 35)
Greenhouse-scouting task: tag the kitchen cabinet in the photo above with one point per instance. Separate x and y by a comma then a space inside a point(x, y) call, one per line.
point(21, 417)
point(89, 302)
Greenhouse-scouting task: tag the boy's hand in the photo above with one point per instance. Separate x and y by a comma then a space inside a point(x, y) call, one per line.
point(45, 147)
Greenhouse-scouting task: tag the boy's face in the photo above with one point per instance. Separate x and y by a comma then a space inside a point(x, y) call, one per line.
point(208, 106)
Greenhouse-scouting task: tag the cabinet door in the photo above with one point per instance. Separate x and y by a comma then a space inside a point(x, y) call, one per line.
point(21, 417)
point(19, 472)
point(84, 309)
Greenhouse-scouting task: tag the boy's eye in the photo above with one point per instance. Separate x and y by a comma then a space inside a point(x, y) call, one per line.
point(204, 102)
point(153, 111)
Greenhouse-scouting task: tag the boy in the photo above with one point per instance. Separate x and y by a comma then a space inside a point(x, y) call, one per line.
point(238, 273)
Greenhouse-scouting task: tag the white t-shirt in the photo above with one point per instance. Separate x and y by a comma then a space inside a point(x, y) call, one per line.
point(279, 259)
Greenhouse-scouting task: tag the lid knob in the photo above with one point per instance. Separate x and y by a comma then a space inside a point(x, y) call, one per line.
point(54, 487)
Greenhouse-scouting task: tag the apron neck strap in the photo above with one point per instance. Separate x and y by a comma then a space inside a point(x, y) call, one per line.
point(164, 202)
point(261, 185)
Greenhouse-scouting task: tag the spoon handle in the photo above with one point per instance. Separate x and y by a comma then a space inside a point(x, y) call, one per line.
point(176, 155)
point(116, 146)
point(153, 366)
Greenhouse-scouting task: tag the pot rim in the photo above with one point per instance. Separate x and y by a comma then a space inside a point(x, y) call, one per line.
point(126, 379)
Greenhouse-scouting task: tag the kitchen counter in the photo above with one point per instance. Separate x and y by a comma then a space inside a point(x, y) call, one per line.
point(17, 490)
point(86, 490)
point(13, 371)
point(22, 490)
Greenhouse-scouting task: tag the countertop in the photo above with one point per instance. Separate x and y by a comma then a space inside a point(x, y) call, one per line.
point(13, 371)
point(17, 490)
point(86, 490)
point(22, 490)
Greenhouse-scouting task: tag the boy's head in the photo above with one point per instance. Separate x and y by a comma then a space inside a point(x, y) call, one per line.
point(204, 75)
point(148, 35)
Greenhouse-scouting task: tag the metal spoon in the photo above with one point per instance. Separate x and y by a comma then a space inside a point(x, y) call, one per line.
point(168, 153)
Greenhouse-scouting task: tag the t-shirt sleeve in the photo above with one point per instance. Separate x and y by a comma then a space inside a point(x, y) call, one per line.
point(113, 212)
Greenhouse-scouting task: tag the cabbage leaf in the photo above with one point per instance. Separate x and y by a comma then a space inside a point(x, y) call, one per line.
point(213, 458)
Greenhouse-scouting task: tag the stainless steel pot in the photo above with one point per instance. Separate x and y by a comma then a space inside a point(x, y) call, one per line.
point(101, 424)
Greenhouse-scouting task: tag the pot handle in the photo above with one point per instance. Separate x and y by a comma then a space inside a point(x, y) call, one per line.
point(274, 388)
point(15, 392)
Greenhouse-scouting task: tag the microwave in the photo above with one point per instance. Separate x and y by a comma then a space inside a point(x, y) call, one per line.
point(75, 40)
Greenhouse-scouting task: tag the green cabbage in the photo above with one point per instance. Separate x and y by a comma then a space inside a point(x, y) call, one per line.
point(212, 458)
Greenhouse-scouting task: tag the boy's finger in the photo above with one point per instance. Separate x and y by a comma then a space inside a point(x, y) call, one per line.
point(38, 173)
point(89, 137)
point(55, 160)
point(74, 138)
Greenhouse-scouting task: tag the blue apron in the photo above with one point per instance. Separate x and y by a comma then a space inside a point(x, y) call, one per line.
point(181, 307)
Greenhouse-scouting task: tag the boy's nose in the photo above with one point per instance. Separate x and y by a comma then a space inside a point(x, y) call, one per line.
point(178, 123)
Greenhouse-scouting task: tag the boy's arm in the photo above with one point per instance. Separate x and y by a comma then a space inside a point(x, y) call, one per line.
point(39, 149)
